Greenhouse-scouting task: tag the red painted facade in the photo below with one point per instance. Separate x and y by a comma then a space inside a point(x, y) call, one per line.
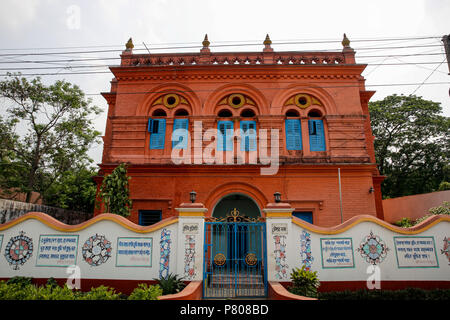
point(266, 88)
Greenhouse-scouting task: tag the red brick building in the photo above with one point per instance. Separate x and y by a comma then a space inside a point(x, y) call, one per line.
point(316, 101)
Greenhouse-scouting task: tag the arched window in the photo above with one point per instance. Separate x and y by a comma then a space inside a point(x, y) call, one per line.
point(225, 113)
point(292, 113)
point(314, 114)
point(159, 113)
point(247, 113)
point(181, 112)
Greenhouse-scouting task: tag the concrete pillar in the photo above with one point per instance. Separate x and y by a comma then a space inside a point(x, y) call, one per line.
point(191, 229)
point(280, 246)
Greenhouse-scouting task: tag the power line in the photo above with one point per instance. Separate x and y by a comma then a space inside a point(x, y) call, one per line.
point(428, 77)
point(199, 46)
point(118, 58)
point(256, 42)
point(105, 66)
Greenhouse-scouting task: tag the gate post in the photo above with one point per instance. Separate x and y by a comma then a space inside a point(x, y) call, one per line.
point(279, 241)
point(191, 219)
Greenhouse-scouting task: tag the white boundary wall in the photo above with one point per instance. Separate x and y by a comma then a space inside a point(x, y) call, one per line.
point(352, 251)
point(121, 250)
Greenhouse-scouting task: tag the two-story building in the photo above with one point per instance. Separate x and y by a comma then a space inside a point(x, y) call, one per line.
point(238, 127)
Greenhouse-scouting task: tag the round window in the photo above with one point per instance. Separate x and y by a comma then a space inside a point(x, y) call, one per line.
point(171, 100)
point(236, 100)
point(302, 100)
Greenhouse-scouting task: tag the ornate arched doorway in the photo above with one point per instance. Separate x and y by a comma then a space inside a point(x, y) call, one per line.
point(235, 249)
point(246, 206)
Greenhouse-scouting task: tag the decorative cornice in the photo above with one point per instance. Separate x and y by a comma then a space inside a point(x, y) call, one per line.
point(152, 75)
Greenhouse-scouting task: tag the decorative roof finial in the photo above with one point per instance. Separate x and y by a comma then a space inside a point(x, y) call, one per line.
point(129, 45)
point(267, 41)
point(345, 42)
point(205, 42)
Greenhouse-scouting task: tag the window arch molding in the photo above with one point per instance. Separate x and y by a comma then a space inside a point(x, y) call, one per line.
point(329, 106)
point(212, 106)
point(145, 108)
point(303, 113)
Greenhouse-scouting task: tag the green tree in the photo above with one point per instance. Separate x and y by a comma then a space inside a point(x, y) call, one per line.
point(411, 144)
point(74, 190)
point(48, 131)
point(114, 192)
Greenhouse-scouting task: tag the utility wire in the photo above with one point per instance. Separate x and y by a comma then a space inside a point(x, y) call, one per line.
point(105, 66)
point(428, 76)
point(199, 46)
point(118, 58)
point(257, 42)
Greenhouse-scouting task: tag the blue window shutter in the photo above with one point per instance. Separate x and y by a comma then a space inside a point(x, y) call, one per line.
point(225, 136)
point(182, 141)
point(316, 135)
point(248, 135)
point(158, 134)
point(149, 126)
point(293, 134)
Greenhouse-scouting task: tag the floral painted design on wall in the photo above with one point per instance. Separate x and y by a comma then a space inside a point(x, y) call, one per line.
point(373, 249)
point(189, 257)
point(96, 250)
point(446, 249)
point(18, 250)
point(281, 265)
point(165, 254)
point(305, 249)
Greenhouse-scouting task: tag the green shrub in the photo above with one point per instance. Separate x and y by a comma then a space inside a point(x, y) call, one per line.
point(21, 281)
point(304, 282)
point(444, 185)
point(172, 284)
point(15, 290)
point(100, 293)
point(145, 292)
point(51, 292)
point(52, 282)
point(21, 290)
point(405, 223)
point(443, 209)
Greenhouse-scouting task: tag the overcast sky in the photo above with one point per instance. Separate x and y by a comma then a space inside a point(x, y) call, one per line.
point(42, 26)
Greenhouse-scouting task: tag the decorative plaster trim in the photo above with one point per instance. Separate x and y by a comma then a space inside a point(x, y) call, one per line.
point(278, 210)
point(237, 76)
point(58, 225)
point(278, 213)
point(191, 212)
point(423, 226)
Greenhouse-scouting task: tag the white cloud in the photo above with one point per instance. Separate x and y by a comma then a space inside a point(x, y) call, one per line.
point(15, 15)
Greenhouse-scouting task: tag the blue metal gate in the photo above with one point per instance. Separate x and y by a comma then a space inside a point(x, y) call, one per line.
point(235, 259)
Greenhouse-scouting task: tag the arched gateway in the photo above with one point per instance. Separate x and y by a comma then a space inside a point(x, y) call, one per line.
point(235, 249)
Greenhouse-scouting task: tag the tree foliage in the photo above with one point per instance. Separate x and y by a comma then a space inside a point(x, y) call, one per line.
point(411, 144)
point(115, 193)
point(75, 190)
point(46, 132)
